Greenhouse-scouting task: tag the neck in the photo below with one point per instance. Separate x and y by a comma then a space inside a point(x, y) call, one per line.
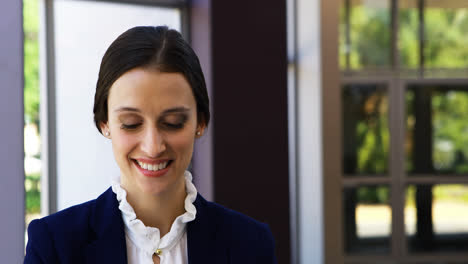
point(159, 210)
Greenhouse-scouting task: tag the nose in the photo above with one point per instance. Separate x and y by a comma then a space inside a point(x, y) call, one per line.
point(153, 143)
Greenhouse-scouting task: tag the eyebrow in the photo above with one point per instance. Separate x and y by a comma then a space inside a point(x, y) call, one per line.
point(127, 109)
point(179, 109)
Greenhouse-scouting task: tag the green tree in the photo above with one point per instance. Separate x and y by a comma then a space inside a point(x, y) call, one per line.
point(31, 91)
point(445, 37)
point(31, 60)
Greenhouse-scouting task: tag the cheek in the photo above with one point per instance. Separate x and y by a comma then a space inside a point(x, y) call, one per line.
point(122, 144)
point(183, 144)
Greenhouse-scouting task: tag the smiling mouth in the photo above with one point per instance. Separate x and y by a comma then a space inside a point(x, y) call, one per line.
point(153, 167)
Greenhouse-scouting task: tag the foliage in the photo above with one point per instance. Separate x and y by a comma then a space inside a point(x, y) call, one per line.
point(366, 113)
point(410, 121)
point(371, 42)
point(450, 115)
point(451, 192)
point(373, 195)
point(408, 37)
point(369, 37)
point(31, 60)
point(31, 91)
point(373, 133)
point(445, 37)
point(455, 193)
point(449, 110)
point(33, 194)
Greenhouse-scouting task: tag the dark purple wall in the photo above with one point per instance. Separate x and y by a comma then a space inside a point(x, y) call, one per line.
point(243, 162)
point(249, 82)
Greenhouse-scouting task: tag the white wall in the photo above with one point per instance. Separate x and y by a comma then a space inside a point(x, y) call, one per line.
point(83, 31)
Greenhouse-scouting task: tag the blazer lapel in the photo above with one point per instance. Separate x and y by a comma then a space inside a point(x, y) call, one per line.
point(203, 244)
point(109, 232)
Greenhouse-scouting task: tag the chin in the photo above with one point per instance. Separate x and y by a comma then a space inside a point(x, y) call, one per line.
point(152, 188)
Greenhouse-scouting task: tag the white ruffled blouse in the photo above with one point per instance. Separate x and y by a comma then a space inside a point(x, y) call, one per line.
point(143, 241)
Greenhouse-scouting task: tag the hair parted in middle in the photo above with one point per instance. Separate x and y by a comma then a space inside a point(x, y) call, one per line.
point(157, 48)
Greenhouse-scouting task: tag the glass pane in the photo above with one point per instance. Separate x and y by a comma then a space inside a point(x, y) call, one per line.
point(446, 34)
point(32, 139)
point(436, 218)
point(365, 129)
point(367, 219)
point(436, 140)
point(369, 33)
point(408, 34)
point(343, 35)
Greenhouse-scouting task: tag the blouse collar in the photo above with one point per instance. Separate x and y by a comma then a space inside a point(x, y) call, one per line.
point(148, 238)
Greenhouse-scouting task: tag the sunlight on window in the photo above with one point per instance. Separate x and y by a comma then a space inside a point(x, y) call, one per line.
point(437, 222)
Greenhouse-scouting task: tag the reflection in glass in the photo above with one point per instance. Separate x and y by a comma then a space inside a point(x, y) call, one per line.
point(436, 218)
point(367, 219)
point(446, 34)
point(408, 33)
point(369, 34)
point(437, 138)
point(365, 129)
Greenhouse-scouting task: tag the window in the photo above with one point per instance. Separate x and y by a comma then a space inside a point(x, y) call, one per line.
point(404, 119)
point(32, 139)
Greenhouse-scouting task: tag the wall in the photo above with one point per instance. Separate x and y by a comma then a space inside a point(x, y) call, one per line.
point(249, 64)
point(11, 134)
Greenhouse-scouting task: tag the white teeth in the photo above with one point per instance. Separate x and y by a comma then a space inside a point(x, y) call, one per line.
point(153, 167)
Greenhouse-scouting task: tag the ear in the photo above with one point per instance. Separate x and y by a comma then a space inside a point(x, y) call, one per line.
point(104, 129)
point(200, 130)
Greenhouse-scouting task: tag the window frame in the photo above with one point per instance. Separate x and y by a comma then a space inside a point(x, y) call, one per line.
point(335, 180)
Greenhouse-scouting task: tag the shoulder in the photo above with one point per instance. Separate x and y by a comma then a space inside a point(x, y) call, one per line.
point(47, 235)
point(73, 220)
point(65, 222)
point(59, 234)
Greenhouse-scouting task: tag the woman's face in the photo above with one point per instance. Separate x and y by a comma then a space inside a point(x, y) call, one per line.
point(152, 120)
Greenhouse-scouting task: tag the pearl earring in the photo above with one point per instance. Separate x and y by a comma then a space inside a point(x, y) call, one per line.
point(198, 133)
point(107, 133)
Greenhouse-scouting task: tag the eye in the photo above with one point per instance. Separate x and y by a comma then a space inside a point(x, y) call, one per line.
point(174, 122)
point(130, 126)
point(173, 126)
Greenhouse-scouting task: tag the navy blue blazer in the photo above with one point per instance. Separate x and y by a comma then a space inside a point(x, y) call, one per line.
point(93, 232)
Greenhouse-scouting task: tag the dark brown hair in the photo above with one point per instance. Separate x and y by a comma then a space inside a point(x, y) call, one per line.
point(158, 48)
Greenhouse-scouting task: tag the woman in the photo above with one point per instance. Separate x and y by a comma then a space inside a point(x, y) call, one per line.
point(151, 102)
